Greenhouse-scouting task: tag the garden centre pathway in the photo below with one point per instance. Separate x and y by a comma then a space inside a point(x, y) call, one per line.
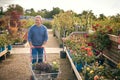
point(16, 66)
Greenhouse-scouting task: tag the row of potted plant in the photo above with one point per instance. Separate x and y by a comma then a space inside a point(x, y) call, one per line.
point(5, 42)
point(85, 58)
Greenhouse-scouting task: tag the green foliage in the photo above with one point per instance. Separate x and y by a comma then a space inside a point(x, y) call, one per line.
point(26, 23)
point(14, 7)
point(48, 24)
point(102, 41)
point(3, 40)
point(55, 66)
point(112, 23)
point(65, 22)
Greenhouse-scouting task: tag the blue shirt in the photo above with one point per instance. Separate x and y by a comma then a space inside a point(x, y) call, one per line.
point(37, 35)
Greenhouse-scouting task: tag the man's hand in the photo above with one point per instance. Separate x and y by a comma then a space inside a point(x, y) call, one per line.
point(44, 44)
point(31, 46)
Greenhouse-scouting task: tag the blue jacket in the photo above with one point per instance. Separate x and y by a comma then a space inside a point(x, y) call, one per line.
point(37, 35)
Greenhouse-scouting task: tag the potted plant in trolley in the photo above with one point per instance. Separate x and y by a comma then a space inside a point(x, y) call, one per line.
point(55, 69)
point(51, 70)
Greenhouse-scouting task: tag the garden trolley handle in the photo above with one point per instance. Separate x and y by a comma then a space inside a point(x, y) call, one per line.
point(43, 51)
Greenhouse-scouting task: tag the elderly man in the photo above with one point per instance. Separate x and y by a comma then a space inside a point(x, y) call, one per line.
point(37, 38)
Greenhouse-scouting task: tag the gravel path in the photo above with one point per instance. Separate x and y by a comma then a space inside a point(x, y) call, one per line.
point(16, 66)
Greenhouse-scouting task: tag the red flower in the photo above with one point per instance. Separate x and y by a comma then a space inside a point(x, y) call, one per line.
point(110, 30)
point(86, 35)
point(88, 49)
point(97, 25)
point(119, 40)
point(90, 44)
point(82, 47)
point(90, 53)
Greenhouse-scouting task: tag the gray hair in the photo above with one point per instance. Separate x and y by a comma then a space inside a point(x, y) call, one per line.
point(38, 16)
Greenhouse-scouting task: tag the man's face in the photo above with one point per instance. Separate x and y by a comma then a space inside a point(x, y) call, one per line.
point(37, 21)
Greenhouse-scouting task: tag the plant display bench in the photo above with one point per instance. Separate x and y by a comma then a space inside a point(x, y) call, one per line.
point(79, 39)
point(113, 54)
point(22, 43)
point(73, 66)
point(3, 53)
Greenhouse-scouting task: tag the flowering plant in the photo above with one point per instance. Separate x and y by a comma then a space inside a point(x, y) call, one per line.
point(100, 38)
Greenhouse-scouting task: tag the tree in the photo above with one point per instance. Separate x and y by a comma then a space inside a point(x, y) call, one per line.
point(55, 11)
point(14, 12)
point(65, 21)
point(102, 17)
point(33, 13)
point(16, 8)
point(44, 13)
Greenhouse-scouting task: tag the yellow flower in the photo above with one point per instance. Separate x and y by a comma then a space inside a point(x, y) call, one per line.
point(88, 69)
point(118, 65)
point(101, 67)
point(91, 71)
point(54, 62)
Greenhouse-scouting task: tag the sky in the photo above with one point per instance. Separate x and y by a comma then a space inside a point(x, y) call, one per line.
point(106, 7)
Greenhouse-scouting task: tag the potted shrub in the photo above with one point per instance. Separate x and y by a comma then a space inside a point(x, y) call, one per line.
point(17, 41)
point(100, 38)
point(78, 61)
point(2, 42)
point(9, 42)
point(115, 72)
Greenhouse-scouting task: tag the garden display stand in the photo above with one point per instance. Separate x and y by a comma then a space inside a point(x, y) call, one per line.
point(113, 54)
point(73, 66)
point(70, 59)
point(3, 53)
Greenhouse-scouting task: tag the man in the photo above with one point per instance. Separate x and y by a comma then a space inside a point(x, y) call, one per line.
point(37, 37)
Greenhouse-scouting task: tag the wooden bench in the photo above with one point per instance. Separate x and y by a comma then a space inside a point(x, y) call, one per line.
point(72, 65)
point(3, 53)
